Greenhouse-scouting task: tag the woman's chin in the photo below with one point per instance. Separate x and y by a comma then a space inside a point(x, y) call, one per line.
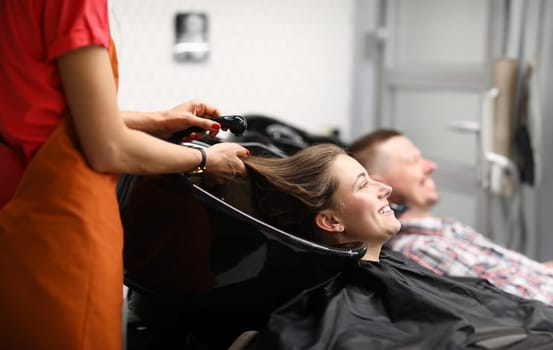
point(395, 229)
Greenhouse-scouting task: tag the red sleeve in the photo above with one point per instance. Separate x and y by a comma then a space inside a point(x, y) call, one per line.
point(70, 24)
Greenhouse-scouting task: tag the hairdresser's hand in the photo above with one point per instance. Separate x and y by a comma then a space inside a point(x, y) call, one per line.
point(163, 124)
point(224, 161)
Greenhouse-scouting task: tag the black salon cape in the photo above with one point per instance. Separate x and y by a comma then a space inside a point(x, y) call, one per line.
point(397, 304)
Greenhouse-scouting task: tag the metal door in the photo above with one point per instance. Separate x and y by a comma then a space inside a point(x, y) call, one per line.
point(435, 84)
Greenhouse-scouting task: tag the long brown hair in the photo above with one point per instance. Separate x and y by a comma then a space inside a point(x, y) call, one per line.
point(289, 192)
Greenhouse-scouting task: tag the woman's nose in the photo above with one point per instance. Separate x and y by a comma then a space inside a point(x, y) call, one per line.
point(384, 190)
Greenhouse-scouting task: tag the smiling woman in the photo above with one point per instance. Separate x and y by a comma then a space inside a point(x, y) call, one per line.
point(324, 194)
point(387, 301)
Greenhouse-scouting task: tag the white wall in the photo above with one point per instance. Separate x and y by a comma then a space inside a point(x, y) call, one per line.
point(288, 59)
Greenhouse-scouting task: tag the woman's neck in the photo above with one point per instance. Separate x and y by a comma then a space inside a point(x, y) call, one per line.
point(372, 253)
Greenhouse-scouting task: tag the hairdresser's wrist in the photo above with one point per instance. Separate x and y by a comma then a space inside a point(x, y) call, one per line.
point(203, 161)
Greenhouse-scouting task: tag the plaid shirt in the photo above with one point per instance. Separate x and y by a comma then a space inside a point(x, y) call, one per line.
point(446, 246)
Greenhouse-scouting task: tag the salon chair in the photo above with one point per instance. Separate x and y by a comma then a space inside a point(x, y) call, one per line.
point(201, 269)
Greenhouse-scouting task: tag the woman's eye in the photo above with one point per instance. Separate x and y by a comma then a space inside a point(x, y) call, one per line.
point(364, 184)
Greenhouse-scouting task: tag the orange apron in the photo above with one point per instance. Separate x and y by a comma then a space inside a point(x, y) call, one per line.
point(61, 246)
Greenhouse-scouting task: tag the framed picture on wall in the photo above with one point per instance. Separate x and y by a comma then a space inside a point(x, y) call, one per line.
point(191, 37)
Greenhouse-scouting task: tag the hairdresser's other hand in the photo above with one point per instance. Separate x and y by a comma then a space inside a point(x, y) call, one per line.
point(163, 124)
point(224, 161)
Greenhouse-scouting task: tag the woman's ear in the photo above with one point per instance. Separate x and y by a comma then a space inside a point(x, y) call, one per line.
point(329, 221)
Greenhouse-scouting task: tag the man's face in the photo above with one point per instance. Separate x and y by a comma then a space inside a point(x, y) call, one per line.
point(409, 174)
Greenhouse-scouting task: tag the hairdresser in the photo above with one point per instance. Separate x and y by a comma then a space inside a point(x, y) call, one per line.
point(63, 141)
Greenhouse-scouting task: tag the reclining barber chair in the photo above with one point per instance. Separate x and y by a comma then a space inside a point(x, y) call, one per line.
point(201, 270)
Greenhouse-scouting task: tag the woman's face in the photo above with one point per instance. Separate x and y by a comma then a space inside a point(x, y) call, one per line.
point(362, 203)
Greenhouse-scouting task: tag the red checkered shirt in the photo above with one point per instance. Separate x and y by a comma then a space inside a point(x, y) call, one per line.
point(449, 247)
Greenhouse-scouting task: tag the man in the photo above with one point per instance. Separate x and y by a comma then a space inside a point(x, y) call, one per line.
point(443, 245)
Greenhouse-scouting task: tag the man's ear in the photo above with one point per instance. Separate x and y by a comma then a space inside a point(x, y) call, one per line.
point(327, 220)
